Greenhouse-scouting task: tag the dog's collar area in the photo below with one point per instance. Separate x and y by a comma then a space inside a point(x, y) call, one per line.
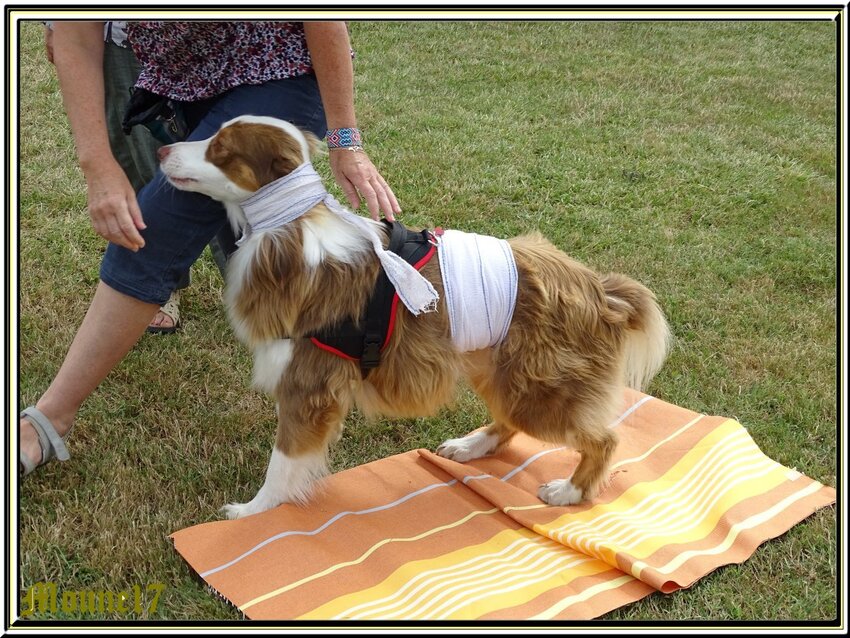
point(283, 201)
point(288, 198)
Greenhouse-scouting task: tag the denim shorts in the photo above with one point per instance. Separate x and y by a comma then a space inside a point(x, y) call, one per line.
point(179, 223)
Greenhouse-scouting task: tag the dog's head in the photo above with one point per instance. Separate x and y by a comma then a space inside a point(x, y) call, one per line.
point(245, 154)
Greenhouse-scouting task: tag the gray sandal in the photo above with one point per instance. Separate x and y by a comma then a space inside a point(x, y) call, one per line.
point(52, 445)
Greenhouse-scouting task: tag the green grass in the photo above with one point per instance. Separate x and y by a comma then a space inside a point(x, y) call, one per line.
point(697, 157)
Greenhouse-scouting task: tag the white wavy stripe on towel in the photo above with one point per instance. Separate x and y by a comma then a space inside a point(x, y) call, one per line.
point(521, 578)
point(683, 516)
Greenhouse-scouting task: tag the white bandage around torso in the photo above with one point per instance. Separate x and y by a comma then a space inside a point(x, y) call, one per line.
point(480, 282)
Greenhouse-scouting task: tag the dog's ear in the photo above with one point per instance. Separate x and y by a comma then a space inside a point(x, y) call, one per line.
point(284, 155)
point(280, 165)
point(285, 163)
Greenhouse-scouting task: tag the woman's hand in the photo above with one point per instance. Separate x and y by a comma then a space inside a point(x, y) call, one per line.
point(330, 52)
point(358, 177)
point(114, 212)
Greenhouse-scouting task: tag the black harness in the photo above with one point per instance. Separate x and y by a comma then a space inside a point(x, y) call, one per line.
point(363, 341)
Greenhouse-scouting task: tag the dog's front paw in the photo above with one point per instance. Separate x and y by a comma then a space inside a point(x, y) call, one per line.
point(237, 510)
point(240, 510)
point(560, 492)
point(469, 447)
point(455, 450)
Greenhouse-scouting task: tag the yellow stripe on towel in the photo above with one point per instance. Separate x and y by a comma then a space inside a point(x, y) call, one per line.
point(683, 505)
point(511, 568)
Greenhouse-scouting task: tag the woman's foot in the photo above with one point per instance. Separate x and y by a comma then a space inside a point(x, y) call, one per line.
point(30, 446)
point(167, 319)
point(33, 447)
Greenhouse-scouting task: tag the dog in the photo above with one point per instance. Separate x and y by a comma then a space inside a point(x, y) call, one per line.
point(573, 339)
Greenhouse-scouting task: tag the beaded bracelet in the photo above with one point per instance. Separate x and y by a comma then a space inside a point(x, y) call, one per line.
point(343, 138)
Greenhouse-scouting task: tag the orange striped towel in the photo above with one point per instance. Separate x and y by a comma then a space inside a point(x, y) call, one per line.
point(416, 536)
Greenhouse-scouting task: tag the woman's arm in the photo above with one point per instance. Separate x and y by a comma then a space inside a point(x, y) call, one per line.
point(330, 50)
point(78, 57)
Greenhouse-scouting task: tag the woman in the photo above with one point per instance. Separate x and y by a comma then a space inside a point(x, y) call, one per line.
point(214, 71)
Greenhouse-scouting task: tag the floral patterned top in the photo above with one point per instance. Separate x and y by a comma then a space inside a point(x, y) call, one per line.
point(190, 61)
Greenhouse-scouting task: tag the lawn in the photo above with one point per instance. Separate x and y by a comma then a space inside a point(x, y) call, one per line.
point(698, 157)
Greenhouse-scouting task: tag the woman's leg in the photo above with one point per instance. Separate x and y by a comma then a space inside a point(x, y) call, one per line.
point(112, 325)
point(133, 286)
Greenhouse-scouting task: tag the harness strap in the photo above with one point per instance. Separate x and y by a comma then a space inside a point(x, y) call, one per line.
point(364, 342)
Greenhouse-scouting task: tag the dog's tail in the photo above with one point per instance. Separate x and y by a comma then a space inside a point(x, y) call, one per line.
point(647, 333)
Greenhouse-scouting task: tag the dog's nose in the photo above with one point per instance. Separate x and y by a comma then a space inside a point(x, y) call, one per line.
point(162, 152)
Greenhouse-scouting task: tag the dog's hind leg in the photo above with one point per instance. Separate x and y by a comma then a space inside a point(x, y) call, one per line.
point(570, 414)
point(311, 411)
point(477, 444)
point(596, 450)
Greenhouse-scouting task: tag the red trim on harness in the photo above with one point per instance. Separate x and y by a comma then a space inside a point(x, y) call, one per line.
point(331, 349)
point(418, 266)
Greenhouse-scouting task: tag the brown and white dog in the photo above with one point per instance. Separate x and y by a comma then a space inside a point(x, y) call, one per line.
point(574, 341)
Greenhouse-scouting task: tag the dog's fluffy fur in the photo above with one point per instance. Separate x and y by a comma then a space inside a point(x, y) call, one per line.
point(576, 338)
